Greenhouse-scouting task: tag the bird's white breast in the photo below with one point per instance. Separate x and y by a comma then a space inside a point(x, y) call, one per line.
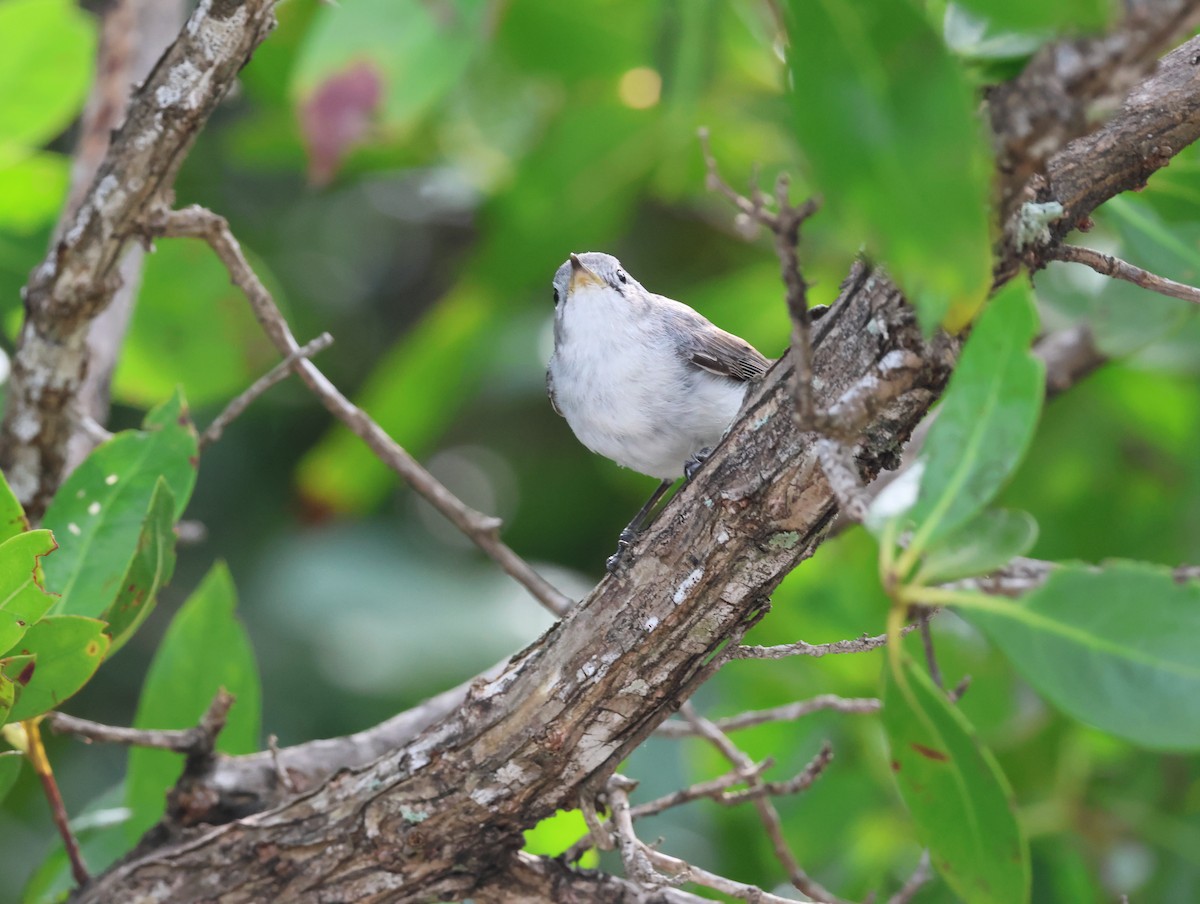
point(627, 393)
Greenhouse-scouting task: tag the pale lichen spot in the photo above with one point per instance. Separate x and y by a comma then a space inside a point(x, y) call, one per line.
point(650, 624)
point(784, 540)
point(686, 586)
point(722, 537)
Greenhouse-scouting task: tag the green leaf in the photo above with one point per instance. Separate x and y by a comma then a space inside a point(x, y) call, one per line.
point(205, 649)
point(152, 566)
point(69, 649)
point(555, 834)
point(958, 797)
point(47, 47)
point(12, 515)
point(1038, 15)
point(23, 596)
point(986, 421)
point(98, 513)
point(10, 770)
point(887, 122)
point(8, 695)
point(1114, 647)
point(32, 190)
point(990, 540)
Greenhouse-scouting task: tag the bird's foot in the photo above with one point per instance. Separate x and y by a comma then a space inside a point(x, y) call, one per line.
point(693, 464)
point(624, 541)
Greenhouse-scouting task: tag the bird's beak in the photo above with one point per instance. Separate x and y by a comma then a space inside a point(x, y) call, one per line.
point(581, 276)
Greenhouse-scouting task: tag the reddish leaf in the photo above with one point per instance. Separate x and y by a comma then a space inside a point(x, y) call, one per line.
point(336, 117)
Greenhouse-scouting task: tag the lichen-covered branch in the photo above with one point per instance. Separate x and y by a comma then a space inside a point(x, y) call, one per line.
point(77, 278)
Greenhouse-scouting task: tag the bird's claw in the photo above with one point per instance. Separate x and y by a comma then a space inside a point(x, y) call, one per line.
point(614, 562)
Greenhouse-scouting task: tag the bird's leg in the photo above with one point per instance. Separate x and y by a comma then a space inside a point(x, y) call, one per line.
point(692, 465)
point(629, 534)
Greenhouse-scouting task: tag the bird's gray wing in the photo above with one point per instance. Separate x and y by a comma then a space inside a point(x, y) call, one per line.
point(725, 354)
point(550, 392)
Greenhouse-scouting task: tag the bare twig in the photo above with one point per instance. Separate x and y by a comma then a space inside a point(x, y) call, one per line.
point(766, 810)
point(682, 871)
point(802, 781)
point(633, 853)
point(483, 530)
point(922, 874)
point(784, 222)
point(35, 752)
point(935, 671)
point(787, 713)
point(862, 644)
point(1108, 265)
point(198, 741)
point(276, 374)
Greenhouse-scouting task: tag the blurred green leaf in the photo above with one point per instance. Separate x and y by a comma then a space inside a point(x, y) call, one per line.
point(47, 48)
point(1030, 15)
point(10, 769)
point(985, 422)
point(186, 293)
point(554, 834)
point(958, 796)
point(69, 649)
point(405, 398)
point(23, 596)
point(97, 515)
point(887, 122)
point(32, 190)
point(1113, 647)
point(152, 566)
point(988, 541)
point(205, 649)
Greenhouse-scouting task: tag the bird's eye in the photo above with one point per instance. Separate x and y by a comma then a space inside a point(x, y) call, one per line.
point(622, 277)
point(556, 296)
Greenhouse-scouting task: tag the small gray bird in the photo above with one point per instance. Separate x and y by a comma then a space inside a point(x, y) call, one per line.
point(642, 379)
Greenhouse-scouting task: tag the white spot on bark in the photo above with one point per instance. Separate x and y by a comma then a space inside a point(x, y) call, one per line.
point(650, 624)
point(638, 687)
point(722, 537)
point(686, 586)
point(414, 816)
point(185, 87)
point(26, 426)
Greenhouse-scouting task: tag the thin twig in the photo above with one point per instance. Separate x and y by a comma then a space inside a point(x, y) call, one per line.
point(682, 871)
point(766, 810)
point(483, 530)
point(35, 751)
point(787, 713)
point(1108, 265)
point(633, 855)
point(276, 374)
point(919, 877)
point(196, 741)
point(784, 223)
point(862, 644)
point(802, 781)
point(935, 672)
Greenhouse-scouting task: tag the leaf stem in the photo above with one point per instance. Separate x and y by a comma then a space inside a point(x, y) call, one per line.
point(36, 752)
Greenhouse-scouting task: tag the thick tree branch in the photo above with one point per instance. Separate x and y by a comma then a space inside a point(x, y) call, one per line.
point(78, 276)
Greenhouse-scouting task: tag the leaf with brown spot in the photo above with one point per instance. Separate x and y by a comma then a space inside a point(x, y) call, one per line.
point(23, 599)
point(958, 797)
point(69, 649)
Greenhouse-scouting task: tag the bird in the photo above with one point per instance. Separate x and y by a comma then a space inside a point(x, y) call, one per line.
point(642, 379)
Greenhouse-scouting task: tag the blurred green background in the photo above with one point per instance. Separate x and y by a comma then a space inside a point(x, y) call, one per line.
point(408, 174)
